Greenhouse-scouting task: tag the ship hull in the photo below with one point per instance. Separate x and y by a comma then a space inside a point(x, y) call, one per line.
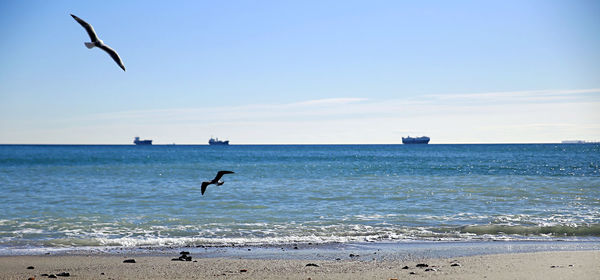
point(137, 141)
point(217, 142)
point(418, 140)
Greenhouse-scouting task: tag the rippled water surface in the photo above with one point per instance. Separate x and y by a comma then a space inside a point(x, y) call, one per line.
point(56, 196)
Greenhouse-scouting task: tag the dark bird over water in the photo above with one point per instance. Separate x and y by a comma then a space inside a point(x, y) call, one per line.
point(215, 180)
point(98, 43)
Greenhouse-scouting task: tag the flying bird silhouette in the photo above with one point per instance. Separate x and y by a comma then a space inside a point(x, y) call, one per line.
point(98, 43)
point(215, 180)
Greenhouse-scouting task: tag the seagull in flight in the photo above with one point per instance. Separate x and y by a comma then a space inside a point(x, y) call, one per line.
point(98, 43)
point(215, 180)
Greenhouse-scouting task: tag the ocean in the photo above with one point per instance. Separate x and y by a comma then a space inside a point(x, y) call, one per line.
point(125, 196)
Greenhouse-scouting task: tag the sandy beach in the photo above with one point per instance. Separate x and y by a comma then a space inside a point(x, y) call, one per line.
point(540, 265)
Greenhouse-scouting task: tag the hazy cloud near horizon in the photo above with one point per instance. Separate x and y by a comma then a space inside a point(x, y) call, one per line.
point(500, 117)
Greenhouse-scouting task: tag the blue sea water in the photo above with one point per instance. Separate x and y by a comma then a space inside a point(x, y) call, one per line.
point(132, 196)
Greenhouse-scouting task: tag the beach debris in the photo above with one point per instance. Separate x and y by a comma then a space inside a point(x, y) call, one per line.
point(354, 256)
point(455, 264)
point(31, 278)
point(243, 270)
point(422, 265)
point(430, 269)
point(184, 257)
point(30, 267)
point(129, 261)
point(63, 274)
point(44, 274)
point(312, 264)
point(412, 273)
point(571, 265)
point(52, 276)
point(338, 259)
point(102, 273)
point(393, 278)
point(405, 267)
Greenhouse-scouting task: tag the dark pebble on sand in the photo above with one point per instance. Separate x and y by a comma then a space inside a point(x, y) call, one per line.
point(422, 265)
point(354, 256)
point(405, 267)
point(243, 270)
point(52, 276)
point(129, 261)
point(412, 272)
point(455, 264)
point(430, 269)
point(102, 273)
point(63, 274)
point(312, 264)
point(30, 267)
point(44, 274)
point(338, 259)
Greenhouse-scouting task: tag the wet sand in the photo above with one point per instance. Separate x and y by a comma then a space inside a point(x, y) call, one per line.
point(539, 265)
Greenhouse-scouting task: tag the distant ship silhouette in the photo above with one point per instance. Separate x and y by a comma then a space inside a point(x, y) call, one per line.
point(415, 140)
point(137, 141)
point(216, 141)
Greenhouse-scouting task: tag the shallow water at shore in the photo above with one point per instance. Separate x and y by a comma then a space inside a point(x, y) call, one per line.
point(380, 251)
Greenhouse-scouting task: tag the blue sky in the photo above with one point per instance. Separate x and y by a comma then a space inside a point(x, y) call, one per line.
point(301, 71)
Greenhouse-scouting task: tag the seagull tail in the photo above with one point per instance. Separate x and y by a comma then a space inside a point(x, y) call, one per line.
point(89, 45)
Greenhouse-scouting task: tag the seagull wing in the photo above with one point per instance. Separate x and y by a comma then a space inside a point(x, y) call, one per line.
point(204, 185)
point(88, 28)
point(113, 54)
point(220, 174)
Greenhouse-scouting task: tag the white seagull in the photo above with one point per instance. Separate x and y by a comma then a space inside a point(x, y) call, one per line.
point(98, 43)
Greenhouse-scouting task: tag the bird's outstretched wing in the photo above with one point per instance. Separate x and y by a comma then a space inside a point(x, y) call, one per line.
point(88, 28)
point(220, 174)
point(113, 54)
point(204, 185)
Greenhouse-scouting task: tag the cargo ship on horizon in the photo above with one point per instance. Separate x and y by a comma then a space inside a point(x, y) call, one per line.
point(216, 141)
point(137, 141)
point(415, 140)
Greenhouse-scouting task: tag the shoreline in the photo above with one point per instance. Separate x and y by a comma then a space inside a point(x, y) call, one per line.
point(537, 265)
point(325, 251)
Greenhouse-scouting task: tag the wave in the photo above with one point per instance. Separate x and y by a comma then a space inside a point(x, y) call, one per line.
point(356, 234)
